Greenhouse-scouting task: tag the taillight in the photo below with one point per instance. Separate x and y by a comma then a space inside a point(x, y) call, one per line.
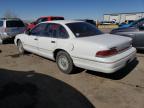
point(106, 53)
point(4, 29)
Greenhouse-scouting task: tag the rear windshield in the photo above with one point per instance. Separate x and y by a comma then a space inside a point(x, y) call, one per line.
point(15, 24)
point(83, 29)
point(91, 22)
point(136, 22)
point(57, 18)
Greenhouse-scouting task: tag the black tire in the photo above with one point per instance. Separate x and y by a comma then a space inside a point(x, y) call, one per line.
point(65, 62)
point(20, 47)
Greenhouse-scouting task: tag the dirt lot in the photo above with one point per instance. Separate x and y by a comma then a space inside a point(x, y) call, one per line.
point(31, 81)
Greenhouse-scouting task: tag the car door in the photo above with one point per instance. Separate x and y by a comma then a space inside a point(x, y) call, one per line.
point(31, 40)
point(140, 36)
point(49, 41)
point(129, 32)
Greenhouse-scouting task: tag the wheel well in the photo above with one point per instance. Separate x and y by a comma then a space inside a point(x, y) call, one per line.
point(56, 51)
point(17, 41)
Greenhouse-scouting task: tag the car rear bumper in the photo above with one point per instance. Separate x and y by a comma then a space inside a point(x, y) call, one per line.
point(105, 67)
point(6, 36)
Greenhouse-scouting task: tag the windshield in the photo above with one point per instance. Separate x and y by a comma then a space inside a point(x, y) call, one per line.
point(82, 29)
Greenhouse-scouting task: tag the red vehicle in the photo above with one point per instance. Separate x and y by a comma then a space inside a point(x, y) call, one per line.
point(43, 19)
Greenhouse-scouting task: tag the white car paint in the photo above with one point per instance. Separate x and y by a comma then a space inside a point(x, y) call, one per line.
point(82, 50)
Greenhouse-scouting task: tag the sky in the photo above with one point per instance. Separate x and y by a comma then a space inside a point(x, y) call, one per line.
point(70, 9)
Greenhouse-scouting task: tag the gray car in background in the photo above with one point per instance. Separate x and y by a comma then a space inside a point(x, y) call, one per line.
point(10, 27)
point(135, 30)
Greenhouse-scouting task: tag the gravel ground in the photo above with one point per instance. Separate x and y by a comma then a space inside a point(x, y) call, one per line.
point(30, 81)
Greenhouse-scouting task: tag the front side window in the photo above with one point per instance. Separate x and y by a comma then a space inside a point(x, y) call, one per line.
point(44, 19)
point(15, 23)
point(56, 31)
point(1, 23)
point(38, 21)
point(39, 30)
point(82, 29)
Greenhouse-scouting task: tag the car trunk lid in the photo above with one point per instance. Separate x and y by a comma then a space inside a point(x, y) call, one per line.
point(109, 41)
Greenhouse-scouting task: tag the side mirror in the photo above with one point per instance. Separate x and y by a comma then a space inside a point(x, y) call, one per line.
point(141, 27)
point(28, 32)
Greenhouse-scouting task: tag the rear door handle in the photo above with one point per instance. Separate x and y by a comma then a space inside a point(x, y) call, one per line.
point(52, 41)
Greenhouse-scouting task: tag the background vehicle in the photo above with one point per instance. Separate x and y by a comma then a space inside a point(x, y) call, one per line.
point(10, 27)
point(77, 44)
point(107, 22)
point(135, 31)
point(127, 23)
point(42, 19)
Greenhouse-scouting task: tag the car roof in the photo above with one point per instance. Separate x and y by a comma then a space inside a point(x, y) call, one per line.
point(51, 17)
point(2, 19)
point(62, 21)
point(84, 19)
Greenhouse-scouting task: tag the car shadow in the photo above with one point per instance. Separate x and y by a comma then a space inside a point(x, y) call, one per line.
point(119, 74)
point(19, 55)
point(34, 90)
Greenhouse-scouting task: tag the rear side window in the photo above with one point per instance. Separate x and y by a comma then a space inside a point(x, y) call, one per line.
point(1, 23)
point(15, 24)
point(57, 18)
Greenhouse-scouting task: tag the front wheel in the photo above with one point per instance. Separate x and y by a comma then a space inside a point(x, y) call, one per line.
point(64, 62)
point(20, 47)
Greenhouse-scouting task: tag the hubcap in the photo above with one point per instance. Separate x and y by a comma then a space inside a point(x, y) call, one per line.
point(63, 63)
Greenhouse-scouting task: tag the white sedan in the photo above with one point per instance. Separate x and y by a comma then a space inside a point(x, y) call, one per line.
point(77, 44)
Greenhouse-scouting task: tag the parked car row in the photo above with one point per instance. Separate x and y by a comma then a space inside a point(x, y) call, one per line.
point(76, 43)
point(10, 27)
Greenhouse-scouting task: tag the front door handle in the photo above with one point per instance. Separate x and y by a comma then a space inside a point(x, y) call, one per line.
point(52, 41)
point(36, 39)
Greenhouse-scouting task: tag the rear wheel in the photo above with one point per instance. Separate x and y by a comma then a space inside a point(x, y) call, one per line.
point(64, 62)
point(20, 48)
